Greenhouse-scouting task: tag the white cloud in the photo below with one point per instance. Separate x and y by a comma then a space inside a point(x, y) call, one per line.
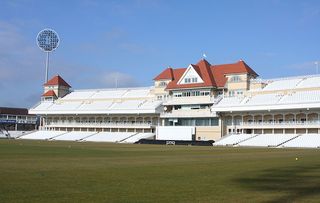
point(20, 62)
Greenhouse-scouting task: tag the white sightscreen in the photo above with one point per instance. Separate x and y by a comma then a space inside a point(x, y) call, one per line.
point(175, 132)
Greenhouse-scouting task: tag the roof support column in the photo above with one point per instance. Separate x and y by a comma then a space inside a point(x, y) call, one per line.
point(318, 122)
point(283, 118)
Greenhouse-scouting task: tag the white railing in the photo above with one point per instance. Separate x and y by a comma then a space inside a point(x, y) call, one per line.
point(27, 121)
point(284, 123)
point(101, 124)
point(192, 99)
point(188, 112)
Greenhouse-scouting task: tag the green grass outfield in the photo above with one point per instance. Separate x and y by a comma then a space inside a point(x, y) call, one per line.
point(41, 171)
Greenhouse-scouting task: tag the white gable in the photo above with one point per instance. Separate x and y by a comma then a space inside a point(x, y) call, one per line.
point(190, 76)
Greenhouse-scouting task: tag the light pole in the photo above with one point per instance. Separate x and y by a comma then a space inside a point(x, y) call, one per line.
point(47, 40)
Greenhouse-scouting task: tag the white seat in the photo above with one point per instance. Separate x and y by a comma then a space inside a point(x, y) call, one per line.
point(42, 135)
point(138, 137)
point(267, 140)
point(305, 140)
point(74, 136)
point(233, 139)
point(109, 136)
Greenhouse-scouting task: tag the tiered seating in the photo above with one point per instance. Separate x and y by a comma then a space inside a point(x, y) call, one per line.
point(74, 136)
point(95, 105)
point(113, 100)
point(44, 105)
point(138, 137)
point(305, 140)
point(109, 94)
point(2, 134)
point(149, 104)
point(42, 135)
point(65, 106)
point(233, 139)
point(109, 136)
point(230, 101)
point(81, 94)
point(262, 99)
point(134, 93)
point(267, 140)
point(128, 104)
point(282, 84)
point(16, 134)
point(309, 82)
point(302, 96)
point(102, 105)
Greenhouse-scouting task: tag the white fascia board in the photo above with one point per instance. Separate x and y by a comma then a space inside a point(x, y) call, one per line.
point(96, 112)
point(267, 107)
point(186, 102)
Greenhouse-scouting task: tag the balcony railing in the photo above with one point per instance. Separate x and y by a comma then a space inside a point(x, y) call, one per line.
point(280, 123)
point(191, 100)
point(99, 124)
point(189, 113)
point(20, 121)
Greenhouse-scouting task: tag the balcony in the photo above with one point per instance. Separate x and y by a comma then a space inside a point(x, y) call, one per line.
point(191, 100)
point(280, 124)
point(72, 124)
point(19, 121)
point(187, 113)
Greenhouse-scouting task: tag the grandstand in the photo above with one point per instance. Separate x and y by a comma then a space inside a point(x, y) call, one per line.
point(267, 140)
point(99, 115)
point(305, 140)
point(123, 137)
point(227, 103)
point(15, 122)
point(232, 140)
point(42, 135)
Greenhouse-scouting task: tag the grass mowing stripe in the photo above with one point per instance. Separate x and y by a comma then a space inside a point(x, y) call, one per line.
point(41, 171)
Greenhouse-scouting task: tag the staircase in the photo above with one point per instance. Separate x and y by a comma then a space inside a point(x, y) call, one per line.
point(245, 139)
point(51, 138)
point(82, 139)
point(287, 141)
point(128, 137)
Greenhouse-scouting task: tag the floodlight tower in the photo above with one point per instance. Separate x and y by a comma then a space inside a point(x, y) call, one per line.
point(47, 40)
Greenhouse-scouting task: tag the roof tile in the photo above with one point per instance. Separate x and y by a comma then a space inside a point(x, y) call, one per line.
point(49, 93)
point(212, 75)
point(57, 80)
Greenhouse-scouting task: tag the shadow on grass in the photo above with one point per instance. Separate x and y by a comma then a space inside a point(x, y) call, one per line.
point(292, 184)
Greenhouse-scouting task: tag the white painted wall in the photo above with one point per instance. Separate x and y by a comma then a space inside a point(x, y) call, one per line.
point(175, 132)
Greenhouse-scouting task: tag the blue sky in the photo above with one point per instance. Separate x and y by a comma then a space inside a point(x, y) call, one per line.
point(135, 40)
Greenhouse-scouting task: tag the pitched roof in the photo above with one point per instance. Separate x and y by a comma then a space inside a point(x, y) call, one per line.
point(202, 68)
point(57, 80)
point(49, 93)
point(219, 71)
point(13, 111)
point(212, 75)
point(167, 74)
